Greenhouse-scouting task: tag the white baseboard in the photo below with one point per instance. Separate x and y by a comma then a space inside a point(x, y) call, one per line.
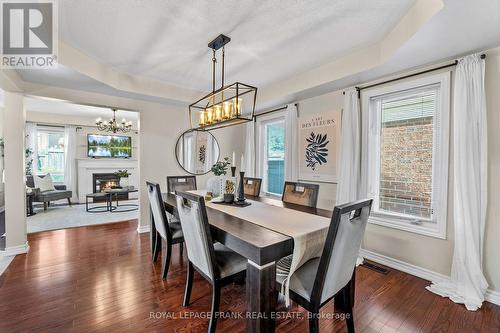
point(492, 296)
point(423, 273)
point(14, 250)
point(143, 228)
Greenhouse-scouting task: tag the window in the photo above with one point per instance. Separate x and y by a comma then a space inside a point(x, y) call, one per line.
point(407, 155)
point(50, 153)
point(271, 153)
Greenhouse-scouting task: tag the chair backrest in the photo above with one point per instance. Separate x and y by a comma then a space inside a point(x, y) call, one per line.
point(196, 230)
point(251, 186)
point(181, 183)
point(341, 250)
point(301, 194)
point(158, 213)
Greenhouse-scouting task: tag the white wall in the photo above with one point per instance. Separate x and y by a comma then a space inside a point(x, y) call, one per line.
point(15, 201)
point(87, 125)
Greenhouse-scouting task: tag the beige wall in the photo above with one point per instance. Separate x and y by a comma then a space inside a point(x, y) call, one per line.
point(423, 251)
point(331, 102)
point(158, 136)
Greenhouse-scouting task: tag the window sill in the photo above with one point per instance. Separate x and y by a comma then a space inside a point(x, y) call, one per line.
point(429, 229)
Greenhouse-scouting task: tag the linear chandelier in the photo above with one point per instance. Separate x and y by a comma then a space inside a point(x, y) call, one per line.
point(112, 125)
point(226, 106)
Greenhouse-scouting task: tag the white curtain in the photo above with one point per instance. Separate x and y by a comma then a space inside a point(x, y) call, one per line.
point(349, 165)
point(291, 143)
point(70, 160)
point(467, 284)
point(249, 166)
point(31, 143)
point(350, 151)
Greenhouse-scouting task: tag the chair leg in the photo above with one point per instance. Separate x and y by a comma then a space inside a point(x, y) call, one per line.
point(314, 322)
point(189, 284)
point(156, 246)
point(350, 321)
point(344, 302)
point(166, 263)
point(44, 206)
point(181, 248)
point(69, 202)
point(215, 307)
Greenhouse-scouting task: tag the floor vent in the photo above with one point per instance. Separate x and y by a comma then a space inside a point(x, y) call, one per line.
point(375, 267)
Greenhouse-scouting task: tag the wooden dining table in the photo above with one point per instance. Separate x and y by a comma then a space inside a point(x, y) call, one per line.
point(262, 247)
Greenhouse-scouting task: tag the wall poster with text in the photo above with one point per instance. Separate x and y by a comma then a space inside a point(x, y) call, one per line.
point(319, 139)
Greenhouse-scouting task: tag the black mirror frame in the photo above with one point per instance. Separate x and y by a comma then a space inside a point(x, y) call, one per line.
point(177, 144)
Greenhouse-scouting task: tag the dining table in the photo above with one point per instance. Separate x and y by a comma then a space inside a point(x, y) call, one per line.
point(261, 246)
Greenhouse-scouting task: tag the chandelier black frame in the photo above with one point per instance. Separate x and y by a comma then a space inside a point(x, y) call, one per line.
point(223, 107)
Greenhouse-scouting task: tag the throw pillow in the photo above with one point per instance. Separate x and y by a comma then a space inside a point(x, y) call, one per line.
point(44, 184)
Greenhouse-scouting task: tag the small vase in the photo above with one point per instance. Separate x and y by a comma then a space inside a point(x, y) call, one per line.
point(123, 182)
point(216, 185)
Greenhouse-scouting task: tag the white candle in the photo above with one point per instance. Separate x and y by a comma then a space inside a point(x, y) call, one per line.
point(242, 167)
point(233, 161)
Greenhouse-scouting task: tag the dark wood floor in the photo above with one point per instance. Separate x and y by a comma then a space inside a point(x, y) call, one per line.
point(101, 278)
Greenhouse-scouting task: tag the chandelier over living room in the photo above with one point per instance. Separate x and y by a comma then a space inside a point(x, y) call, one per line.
point(112, 125)
point(229, 105)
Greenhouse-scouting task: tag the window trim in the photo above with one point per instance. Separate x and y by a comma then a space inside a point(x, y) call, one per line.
point(440, 156)
point(261, 149)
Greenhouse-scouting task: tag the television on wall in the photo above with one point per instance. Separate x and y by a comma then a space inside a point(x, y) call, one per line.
point(114, 146)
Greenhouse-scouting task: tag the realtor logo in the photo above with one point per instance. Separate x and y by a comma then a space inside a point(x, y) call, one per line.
point(29, 34)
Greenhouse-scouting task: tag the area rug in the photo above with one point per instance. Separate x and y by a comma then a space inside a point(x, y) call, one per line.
point(63, 216)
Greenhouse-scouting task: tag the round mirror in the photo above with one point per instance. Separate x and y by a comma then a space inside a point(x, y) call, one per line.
point(197, 151)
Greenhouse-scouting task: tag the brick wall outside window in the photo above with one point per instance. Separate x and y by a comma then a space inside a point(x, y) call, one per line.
point(406, 166)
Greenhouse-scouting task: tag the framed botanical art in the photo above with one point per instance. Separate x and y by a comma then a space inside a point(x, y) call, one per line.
point(319, 139)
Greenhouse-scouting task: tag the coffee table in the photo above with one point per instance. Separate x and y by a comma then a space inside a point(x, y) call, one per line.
point(117, 208)
point(101, 208)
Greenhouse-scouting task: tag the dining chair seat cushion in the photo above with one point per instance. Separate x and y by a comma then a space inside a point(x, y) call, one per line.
point(302, 280)
point(228, 261)
point(176, 230)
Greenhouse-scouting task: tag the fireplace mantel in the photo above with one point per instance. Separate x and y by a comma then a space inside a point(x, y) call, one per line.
point(88, 166)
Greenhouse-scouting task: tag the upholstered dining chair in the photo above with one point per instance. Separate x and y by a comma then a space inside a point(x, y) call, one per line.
point(181, 183)
point(300, 194)
point(171, 233)
point(251, 186)
point(215, 262)
point(333, 274)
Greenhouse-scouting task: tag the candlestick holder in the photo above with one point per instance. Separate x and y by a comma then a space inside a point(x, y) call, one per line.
point(233, 171)
point(240, 199)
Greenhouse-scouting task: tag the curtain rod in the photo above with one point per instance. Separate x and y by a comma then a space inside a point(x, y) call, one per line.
point(273, 110)
point(483, 56)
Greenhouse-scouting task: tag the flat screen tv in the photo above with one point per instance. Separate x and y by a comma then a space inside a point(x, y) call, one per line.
point(118, 146)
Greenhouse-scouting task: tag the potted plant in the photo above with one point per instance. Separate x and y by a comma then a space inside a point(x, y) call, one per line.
point(123, 174)
point(216, 184)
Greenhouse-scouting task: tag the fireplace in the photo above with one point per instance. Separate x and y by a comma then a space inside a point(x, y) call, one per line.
point(103, 181)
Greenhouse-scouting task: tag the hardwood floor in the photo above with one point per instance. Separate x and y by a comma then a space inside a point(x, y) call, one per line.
point(101, 278)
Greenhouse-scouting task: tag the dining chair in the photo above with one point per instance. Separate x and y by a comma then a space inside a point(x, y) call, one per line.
point(251, 186)
point(181, 183)
point(333, 274)
point(301, 194)
point(215, 262)
point(171, 233)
